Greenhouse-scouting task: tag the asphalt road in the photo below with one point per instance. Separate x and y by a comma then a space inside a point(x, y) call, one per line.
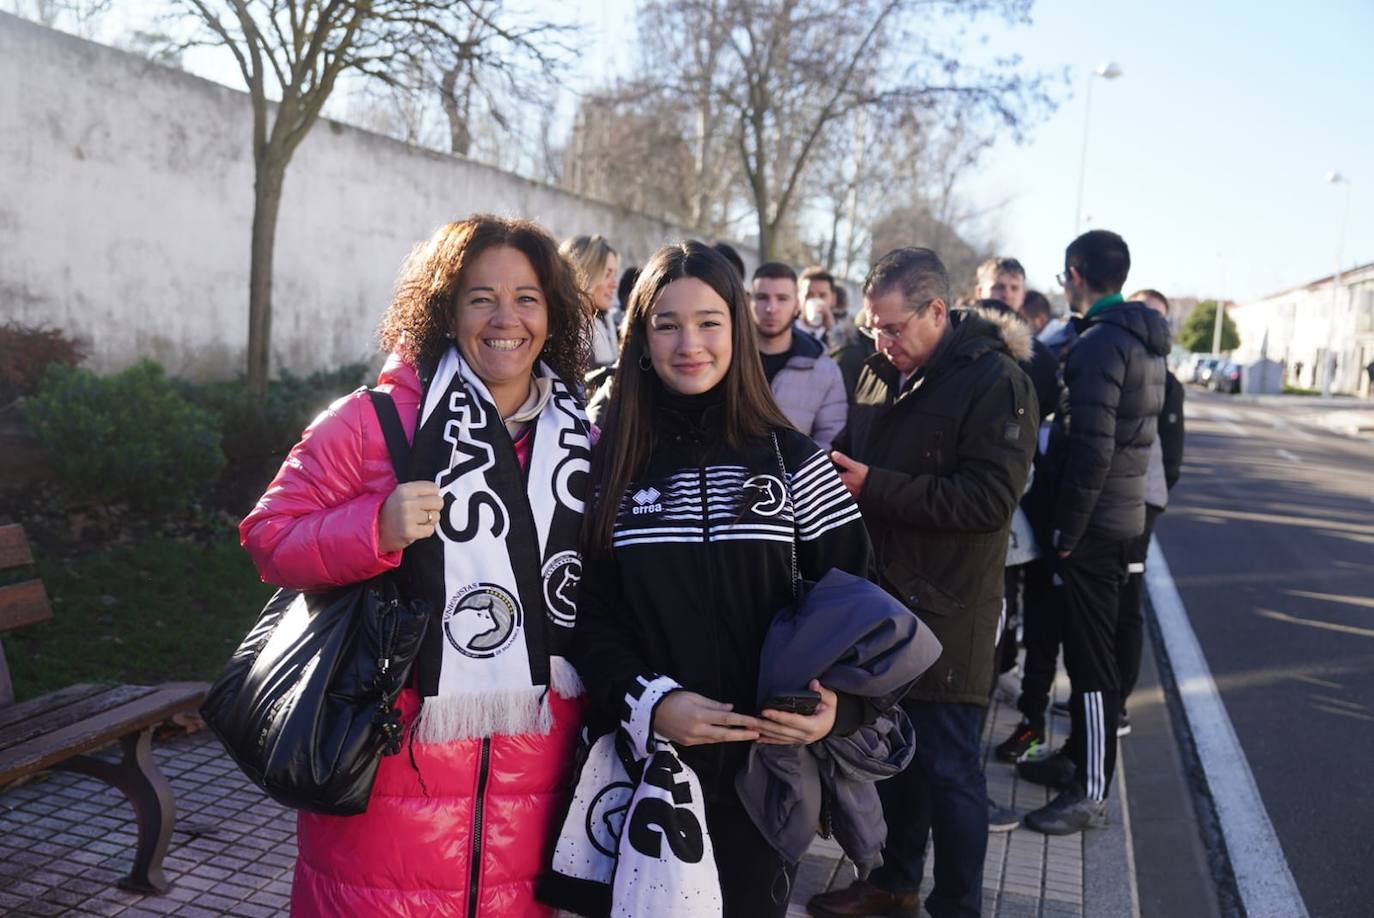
point(1270, 538)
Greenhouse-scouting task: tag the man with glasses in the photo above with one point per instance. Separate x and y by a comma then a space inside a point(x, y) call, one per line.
point(937, 453)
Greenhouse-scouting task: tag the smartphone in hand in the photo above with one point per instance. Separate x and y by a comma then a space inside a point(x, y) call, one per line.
point(802, 701)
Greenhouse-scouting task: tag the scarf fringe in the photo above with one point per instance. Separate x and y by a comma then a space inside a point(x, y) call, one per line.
point(446, 718)
point(565, 680)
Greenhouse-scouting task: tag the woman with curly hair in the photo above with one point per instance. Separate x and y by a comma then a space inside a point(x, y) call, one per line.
point(487, 334)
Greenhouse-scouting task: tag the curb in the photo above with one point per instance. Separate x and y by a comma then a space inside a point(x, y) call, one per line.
point(1109, 880)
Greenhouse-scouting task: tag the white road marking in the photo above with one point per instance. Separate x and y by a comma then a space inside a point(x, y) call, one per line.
point(1287, 456)
point(1263, 879)
point(1292, 430)
point(1233, 427)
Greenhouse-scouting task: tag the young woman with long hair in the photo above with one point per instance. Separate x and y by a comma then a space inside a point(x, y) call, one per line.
point(598, 265)
point(689, 548)
point(487, 338)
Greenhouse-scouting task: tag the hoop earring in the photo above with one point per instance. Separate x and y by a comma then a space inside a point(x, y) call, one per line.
point(645, 364)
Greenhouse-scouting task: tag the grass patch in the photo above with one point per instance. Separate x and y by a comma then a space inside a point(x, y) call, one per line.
point(155, 610)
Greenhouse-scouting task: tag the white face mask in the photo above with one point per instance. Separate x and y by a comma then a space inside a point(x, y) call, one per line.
point(815, 311)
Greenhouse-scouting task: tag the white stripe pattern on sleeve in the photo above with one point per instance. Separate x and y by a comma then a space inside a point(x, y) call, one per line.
point(821, 500)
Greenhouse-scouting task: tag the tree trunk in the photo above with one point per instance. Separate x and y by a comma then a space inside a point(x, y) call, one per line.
point(766, 252)
point(266, 203)
point(460, 135)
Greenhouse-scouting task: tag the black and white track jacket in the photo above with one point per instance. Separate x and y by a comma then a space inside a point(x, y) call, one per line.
point(700, 564)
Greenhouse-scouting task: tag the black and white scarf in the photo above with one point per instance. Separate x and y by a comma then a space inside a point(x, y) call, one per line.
point(503, 563)
point(634, 841)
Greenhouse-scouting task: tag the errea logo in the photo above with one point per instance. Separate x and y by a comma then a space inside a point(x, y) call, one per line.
point(646, 501)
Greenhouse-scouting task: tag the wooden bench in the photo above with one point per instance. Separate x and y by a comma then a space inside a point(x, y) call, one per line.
point(58, 730)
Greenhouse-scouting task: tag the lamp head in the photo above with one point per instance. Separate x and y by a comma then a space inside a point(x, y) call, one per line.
point(1109, 70)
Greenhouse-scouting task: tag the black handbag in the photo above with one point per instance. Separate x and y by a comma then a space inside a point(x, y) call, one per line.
point(306, 705)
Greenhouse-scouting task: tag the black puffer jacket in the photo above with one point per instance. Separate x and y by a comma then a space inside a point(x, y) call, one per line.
point(948, 458)
point(1115, 380)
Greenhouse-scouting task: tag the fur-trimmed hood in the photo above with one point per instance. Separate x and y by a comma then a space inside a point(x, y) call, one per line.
point(1011, 328)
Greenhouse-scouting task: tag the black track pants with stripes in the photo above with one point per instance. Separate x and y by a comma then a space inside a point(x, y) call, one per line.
point(1131, 619)
point(1092, 578)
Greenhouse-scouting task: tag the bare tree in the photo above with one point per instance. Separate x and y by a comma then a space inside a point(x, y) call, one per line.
point(628, 147)
point(898, 160)
point(663, 141)
point(291, 54)
point(79, 16)
point(507, 62)
point(785, 75)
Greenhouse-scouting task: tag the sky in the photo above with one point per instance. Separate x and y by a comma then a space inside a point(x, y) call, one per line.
point(1209, 154)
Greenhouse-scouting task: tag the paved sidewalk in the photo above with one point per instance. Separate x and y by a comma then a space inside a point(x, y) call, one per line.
point(1025, 874)
point(65, 840)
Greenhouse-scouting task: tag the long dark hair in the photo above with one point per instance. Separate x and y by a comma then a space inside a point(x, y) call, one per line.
point(627, 437)
point(426, 297)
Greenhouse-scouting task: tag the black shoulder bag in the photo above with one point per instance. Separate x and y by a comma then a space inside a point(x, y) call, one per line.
point(306, 705)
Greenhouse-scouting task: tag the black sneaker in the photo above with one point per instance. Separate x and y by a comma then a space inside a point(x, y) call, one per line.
point(1123, 724)
point(1002, 818)
point(1023, 740)
point(1055, 771)
point(1070, 812)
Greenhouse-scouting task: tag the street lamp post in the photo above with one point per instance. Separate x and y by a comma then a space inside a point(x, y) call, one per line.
point(1328, 370)
point(1219, 320)
point(1108, 71)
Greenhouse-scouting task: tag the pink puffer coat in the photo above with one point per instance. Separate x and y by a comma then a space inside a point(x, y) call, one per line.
point(456, 829)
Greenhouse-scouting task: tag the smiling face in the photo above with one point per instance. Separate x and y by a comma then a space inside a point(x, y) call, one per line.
point(689, 336)
point(502, 318)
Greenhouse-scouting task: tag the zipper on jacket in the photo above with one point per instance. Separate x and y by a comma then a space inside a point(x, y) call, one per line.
point(715, 607)
point(479, 803)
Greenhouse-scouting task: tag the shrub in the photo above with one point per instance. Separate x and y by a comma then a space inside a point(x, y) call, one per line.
point(26, 352)
point(127, 437)
point(256, 431)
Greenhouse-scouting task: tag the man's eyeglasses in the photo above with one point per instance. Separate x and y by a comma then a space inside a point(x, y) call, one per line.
point(1063, 278)
point(888, 332)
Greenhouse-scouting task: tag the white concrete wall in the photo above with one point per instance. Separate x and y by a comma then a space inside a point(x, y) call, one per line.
point(1301, 324)
point(126, 201)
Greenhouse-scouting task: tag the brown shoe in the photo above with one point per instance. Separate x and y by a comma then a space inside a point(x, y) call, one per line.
point(864, 899)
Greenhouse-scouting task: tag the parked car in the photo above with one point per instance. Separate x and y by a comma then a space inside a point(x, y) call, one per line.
point(1190, 370)
point(1226, 378)
point(1206, 369)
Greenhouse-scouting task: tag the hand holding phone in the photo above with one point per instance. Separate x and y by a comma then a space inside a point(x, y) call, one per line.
point(803, 702)
point(810, 719)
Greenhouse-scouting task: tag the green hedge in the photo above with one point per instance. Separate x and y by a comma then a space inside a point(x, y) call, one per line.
point(129, 437)
point(261, 430)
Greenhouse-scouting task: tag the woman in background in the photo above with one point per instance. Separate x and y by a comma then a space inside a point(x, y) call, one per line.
point(599, 267)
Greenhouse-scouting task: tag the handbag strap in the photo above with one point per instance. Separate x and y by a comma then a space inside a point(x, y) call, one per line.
point(782, 476)
point(396, 443)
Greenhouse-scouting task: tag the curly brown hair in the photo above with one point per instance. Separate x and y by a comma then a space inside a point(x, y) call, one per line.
point(418, 321)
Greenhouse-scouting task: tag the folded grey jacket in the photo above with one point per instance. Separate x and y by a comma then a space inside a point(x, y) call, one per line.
point(855, 638)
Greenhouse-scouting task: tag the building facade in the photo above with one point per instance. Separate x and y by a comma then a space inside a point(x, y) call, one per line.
point(1331, 318)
